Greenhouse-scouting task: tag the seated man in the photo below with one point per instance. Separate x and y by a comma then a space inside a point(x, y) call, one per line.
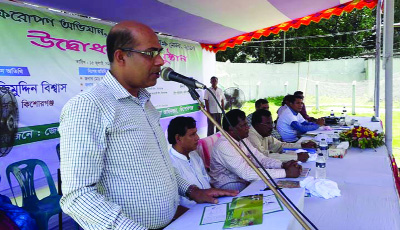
point(291, 124)
point(283, 105)
point(260, 104)
point(263, 104)
point(182, 134)
point(230, 170)
point(303, 111)
point(260, 137)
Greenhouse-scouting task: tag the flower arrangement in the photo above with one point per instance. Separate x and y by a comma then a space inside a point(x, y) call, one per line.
point(363, 137)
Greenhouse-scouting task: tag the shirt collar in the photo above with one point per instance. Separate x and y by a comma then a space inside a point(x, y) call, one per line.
point(253, 130)
point(119, 92)
point(179, 155)
point(237, 142)
point(294, 112)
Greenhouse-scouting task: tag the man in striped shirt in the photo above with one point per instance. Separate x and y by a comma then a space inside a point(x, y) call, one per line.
point(115, 166)
point(229, 170)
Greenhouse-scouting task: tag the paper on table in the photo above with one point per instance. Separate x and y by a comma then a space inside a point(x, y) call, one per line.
point(214, 213)
point(217, 213)
point(271, 204)
point(304, 172)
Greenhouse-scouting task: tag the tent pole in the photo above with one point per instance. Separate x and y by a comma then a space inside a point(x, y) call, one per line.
point(388, 60)
point(377, 57)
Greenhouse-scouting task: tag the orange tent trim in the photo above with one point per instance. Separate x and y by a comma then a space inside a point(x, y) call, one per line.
point(324, 14)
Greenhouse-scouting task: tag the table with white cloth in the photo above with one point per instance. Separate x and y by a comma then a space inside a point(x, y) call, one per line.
point(277, 220)
point(369, 199)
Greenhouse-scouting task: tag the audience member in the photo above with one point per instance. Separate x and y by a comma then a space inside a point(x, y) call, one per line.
point(291, 124)
point(182, 135)
point(230, 170)
point(263, 104)
point(260, 137)
point(303, 111)
point(283, 105)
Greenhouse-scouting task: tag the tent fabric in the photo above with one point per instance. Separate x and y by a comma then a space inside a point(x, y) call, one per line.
point(324, 14)
point(215, 24)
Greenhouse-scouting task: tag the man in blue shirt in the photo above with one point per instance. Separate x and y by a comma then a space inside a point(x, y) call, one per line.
point(291, 123)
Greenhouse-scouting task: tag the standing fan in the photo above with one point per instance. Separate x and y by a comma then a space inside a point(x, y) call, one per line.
point(8, 120)
point(234, 98)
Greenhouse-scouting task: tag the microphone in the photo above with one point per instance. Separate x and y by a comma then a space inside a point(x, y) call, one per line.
point(168, 74)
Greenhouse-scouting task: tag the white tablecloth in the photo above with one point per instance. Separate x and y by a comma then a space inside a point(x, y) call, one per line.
point(369, 198)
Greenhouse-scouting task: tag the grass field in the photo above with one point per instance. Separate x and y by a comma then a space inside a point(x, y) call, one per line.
point(364, 111)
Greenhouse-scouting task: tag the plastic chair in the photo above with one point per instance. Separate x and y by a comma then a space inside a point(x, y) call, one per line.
point(204, 148)
point(40, 210)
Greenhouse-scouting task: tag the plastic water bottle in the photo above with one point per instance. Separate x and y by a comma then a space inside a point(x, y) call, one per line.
point(320, 167)
point(323, 146)
point(342, 121)
point(332, 114)
point(336, 138)
point(356, 124)
point(344, 110)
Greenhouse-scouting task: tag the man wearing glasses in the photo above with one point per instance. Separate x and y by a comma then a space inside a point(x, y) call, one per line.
point(115, 165)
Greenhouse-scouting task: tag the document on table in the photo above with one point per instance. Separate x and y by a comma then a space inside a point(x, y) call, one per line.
point(217, 213)
point(214, 214)
point(304, 172)
point(271, 204)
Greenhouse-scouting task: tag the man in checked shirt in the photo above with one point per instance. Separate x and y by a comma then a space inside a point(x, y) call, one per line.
point(115, 165)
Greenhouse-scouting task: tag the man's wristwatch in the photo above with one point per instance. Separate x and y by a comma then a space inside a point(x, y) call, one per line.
point(190, 190)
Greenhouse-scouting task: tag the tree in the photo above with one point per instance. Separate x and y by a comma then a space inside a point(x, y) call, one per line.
point(348, 35)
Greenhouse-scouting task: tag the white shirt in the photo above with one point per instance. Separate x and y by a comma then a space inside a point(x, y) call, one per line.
point(115, 166)
point(192, 170)
point(272, 147)
point(228, 167)
point(288, 133)
point(281, 109)
point(212, 104)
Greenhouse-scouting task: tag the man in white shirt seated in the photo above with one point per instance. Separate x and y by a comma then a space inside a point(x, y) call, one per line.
point(291, 124)
point(229, 170)
point(182, 134)
point(260, 137)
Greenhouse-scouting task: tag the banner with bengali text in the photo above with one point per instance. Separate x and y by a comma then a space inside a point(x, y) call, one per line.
point(48, 57)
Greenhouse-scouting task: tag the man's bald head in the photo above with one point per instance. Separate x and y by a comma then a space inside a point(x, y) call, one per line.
point(123, 35)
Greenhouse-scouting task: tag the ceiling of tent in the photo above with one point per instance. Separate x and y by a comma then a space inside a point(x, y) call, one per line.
point(217, 24)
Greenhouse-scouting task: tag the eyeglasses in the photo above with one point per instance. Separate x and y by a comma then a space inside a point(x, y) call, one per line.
point(151, 53)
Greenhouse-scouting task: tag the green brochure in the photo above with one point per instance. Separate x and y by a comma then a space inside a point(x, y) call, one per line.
point(245, 211)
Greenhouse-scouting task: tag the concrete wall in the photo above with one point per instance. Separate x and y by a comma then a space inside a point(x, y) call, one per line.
point(334, 78)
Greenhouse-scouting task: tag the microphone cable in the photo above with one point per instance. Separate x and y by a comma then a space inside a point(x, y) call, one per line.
point(259, 163)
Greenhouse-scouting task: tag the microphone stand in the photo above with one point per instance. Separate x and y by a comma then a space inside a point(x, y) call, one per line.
point(196, 97)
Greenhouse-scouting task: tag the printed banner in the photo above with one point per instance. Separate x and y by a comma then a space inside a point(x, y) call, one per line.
point(46, 58)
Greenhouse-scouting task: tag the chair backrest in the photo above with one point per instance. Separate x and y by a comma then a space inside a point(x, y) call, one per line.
point(24, 173)
point(204, 148)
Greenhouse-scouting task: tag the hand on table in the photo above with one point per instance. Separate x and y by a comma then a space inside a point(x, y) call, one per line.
point(309, 144)
point(320, 121)
point(292, 169)
point(209, 195)
point(303, 157)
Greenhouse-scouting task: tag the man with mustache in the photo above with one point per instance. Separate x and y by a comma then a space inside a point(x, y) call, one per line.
point(260, 137)
point(115, 166)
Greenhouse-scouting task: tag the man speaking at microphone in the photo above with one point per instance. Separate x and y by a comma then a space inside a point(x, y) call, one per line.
point(115, 165)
